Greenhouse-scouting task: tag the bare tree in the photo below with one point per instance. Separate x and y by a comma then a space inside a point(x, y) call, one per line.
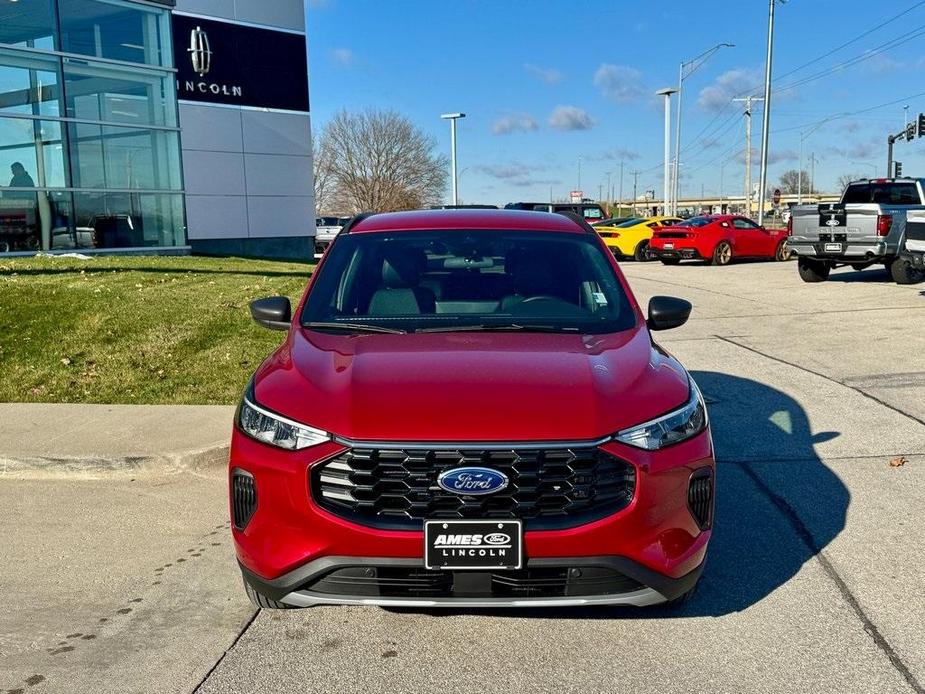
point(380, 161)
point(790, 182)
point(843, 180)
point(323, 165)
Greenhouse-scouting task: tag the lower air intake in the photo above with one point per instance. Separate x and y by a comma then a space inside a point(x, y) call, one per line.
point(243, 498)
point(700, 498)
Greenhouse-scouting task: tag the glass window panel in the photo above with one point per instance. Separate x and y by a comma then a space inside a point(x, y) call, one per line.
point(37, 220)
point(97, 91)
point(29, 84)
point(31, 155)
point(28, 23)
point(131, 220)
point(118, 157)
point(116, 30)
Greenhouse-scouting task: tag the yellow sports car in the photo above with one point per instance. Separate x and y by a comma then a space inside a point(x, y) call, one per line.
point(631, 238)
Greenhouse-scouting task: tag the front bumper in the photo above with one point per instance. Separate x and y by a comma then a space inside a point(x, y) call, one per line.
point(290, 542)
point(378, 581)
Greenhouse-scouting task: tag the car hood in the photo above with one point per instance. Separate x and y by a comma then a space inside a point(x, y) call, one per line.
point(471, 386)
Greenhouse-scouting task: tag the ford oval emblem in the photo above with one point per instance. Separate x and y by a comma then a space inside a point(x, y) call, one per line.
point(472, 481)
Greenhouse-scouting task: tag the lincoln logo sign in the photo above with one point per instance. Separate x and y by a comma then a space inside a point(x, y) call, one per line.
point(240, 65)
point(199, 51)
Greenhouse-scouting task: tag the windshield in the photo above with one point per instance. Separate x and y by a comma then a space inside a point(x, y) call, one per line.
point(468, 280)
point(327, 222)
point(695, 222)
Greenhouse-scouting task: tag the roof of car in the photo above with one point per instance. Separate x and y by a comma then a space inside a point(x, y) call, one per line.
point(420, 220)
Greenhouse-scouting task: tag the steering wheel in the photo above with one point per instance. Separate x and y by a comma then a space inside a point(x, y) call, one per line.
point(541, 297)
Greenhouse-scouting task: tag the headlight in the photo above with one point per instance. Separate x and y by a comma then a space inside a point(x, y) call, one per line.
point(674, 427)
point(275, 430)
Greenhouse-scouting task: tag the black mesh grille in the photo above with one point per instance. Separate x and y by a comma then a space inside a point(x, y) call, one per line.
point(550, 488)
point(700, 498)
point(243, 498)
point(405, 582)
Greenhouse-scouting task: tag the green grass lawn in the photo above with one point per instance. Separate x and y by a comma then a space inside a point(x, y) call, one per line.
point(153, 329)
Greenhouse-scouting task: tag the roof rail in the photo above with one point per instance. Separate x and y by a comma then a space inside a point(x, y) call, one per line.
point(578, 219)
point(356, 220)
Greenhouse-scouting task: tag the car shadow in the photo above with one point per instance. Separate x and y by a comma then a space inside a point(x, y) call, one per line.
point(878, 274)
point(766, 459)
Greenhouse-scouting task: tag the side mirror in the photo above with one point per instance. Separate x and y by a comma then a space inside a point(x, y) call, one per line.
point(274, 312)
point(667, 312)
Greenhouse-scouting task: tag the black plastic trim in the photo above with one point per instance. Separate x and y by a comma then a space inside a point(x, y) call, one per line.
point(278, 588)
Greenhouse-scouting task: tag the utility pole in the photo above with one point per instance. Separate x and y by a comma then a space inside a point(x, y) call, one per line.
point(812, 171)
point(453, 117)
point(635, 193)
point(579, 172)
point(621, 187)
point(748, 150)
point(691, 66)
point(609, 191)
point(766, 120)
point(667, 92)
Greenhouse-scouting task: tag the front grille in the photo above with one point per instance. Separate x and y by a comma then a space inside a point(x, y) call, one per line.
point(408, 582)
point(700, 497)
point(243, 498)
point(548, 489)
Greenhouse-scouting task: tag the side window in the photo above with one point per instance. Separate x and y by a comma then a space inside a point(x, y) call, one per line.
point(652, 225)
point(744, 224)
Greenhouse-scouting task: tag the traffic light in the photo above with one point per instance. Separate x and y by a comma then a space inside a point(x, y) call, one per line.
point(922, 125)
point(910, 132)
point(897, 169)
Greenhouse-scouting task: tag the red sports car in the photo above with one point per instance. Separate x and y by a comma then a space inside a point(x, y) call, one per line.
point(469, 410)
point(718, 239)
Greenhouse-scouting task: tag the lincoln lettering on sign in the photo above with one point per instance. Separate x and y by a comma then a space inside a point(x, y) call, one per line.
point(227, 63)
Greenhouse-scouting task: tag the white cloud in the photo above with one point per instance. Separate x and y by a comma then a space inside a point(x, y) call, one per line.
point(516, 174)
point(513, 123)
point(730, 84)
point(619, 82)
point(570, 118)
point(620, 154)
point(548, 75)
point(344, 56)
point(879, 64)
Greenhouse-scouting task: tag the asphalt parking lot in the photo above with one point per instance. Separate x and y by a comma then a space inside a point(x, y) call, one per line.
point(126, 582)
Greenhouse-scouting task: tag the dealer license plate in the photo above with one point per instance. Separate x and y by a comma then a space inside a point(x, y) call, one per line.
point(832, 248)
point(473, 544)
point(669, 245)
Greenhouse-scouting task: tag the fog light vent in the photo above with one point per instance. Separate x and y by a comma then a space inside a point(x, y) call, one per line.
point(700, 497)
point(243, 498)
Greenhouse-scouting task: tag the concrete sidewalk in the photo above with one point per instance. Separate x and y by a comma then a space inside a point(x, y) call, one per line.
point(61, 438)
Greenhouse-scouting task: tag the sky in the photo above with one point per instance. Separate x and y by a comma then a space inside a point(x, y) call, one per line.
point(551, 89)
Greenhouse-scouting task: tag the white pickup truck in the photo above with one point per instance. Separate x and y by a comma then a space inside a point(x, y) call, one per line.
point(867, 227)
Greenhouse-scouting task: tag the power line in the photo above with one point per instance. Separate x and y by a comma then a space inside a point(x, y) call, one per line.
point(851, 41)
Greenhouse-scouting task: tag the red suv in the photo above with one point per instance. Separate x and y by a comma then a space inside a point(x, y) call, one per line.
point(469, 410)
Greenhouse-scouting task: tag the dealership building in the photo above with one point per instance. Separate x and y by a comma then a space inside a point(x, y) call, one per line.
point(155, 127)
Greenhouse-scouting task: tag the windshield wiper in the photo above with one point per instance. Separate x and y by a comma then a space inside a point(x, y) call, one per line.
point(501, 327)
point(353, 327)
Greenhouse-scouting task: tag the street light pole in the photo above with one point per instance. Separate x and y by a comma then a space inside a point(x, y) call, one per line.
point(766, 120)
point(453, 117)
point(667, 92)
point(693, 66)
point(621, 187)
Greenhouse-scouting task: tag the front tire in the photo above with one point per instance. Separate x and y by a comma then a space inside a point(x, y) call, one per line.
point(264, 602)
point(722, 254)
point(813, 270)
point(902, 272)
point(641, 254)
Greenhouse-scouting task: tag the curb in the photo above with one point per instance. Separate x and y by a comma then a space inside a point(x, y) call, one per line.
point(209, 458)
